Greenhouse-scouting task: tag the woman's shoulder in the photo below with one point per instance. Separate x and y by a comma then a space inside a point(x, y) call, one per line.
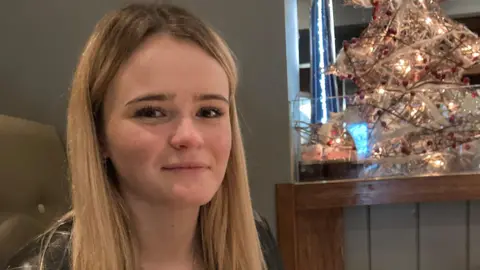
point(271, 252)
point(58, 247)
point(55, 254)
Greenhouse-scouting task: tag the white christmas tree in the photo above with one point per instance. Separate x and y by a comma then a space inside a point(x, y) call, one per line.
point(417, 108)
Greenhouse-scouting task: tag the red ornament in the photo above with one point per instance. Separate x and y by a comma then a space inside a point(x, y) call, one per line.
point(467, 147)
point(454, 69)
point(406, 151)
point(466, 80)
point(405, 83)
point(474, 94)
point(452, 119)
point(392, 32)
point(389, 13)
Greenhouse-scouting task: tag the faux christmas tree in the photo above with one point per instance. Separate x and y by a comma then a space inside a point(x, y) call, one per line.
point(414, 112)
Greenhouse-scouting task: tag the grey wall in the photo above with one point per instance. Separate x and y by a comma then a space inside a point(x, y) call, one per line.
point(39, 46)
point(41, 42)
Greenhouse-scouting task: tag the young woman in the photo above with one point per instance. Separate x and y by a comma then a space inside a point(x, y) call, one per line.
point(156, 158)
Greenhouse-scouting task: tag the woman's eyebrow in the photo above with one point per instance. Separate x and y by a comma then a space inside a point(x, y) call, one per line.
point(212, 97)
point(151, 97)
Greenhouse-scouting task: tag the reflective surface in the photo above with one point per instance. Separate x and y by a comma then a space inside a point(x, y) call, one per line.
point(422, 132)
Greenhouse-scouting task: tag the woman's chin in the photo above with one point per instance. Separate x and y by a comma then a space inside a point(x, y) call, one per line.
point(185, 196)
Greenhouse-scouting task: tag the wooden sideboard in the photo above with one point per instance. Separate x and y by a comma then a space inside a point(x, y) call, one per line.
point(310, 215)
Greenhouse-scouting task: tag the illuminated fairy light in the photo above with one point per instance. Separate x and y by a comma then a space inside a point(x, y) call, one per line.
point(408, 69)
point(419, 58)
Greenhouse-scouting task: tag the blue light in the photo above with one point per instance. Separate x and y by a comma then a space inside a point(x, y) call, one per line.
point(324, 87)
point(359, 133)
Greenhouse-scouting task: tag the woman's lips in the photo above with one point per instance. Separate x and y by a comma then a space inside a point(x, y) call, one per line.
point(186, 166)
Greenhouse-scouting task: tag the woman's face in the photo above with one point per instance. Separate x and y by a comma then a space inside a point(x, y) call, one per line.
point(167, 123)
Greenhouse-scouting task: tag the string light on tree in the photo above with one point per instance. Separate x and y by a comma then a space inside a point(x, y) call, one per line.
point(408, 65)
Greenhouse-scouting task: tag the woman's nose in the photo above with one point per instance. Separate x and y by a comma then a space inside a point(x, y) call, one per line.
point(186, 135)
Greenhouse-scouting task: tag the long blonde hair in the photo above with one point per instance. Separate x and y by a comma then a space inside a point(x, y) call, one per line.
point(101, 237)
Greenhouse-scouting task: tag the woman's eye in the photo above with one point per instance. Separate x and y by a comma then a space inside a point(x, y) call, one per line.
point(150, 112)
point(209, 113)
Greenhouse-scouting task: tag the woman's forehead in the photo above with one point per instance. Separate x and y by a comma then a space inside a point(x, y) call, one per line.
point(167, 65)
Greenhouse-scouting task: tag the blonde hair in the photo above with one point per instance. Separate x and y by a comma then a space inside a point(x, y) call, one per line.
point(101, 237)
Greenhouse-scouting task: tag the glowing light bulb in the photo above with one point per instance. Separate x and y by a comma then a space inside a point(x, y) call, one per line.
point(451, 105)
point(438, 163)
point(338, 140)
point(401, 65)
point(475, 54)
point(419, 58)
point(428, 20)
point(381, 90)
point(408, 69)
point(441, 30)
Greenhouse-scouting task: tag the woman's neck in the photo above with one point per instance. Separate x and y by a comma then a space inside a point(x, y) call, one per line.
point(166, 237)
